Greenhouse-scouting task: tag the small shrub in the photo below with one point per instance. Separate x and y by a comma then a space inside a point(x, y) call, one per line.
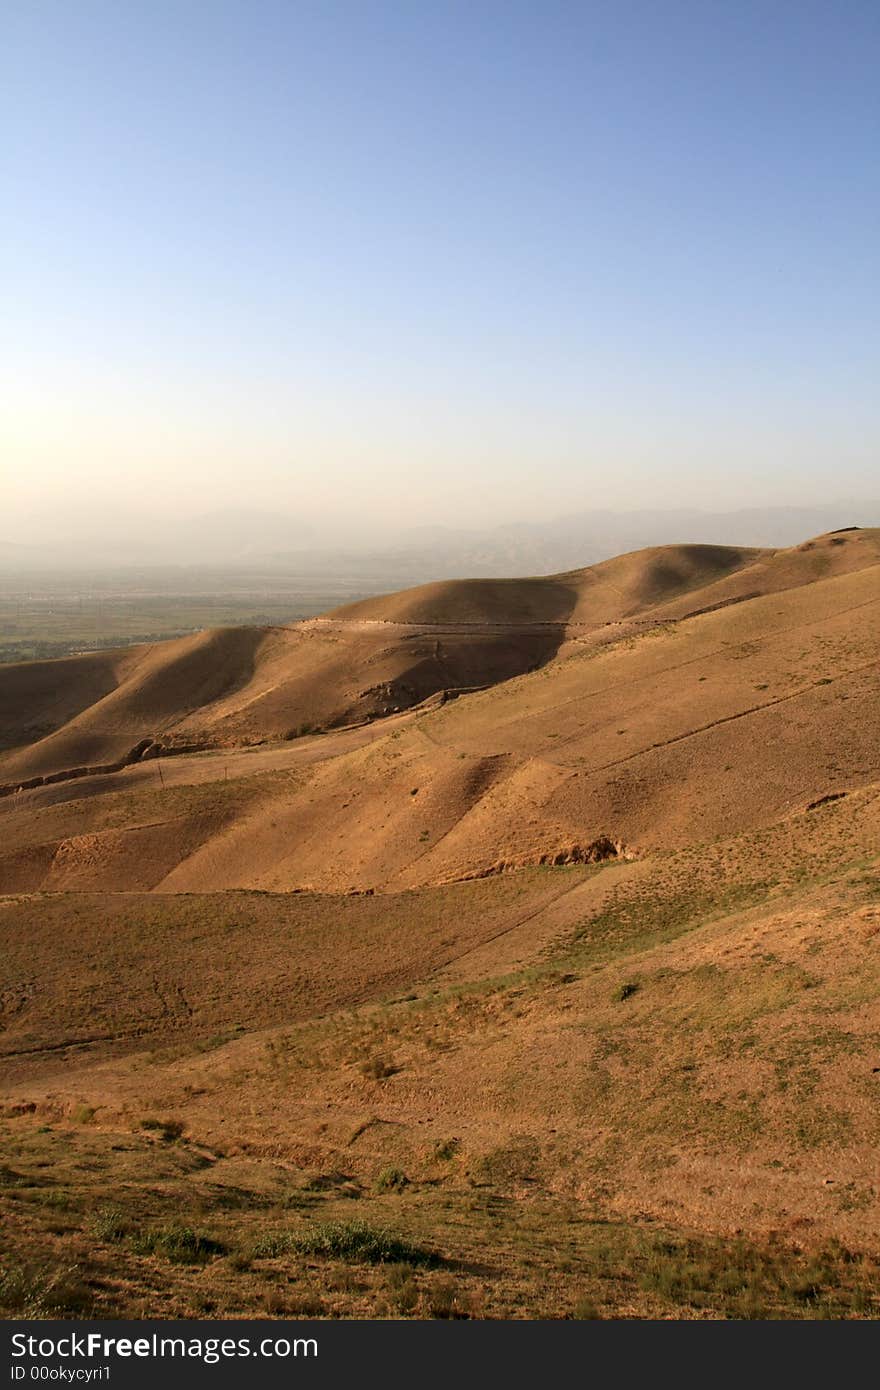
point(275, 1243)
point(168, 1130)
point(354, 1240)
point(110, 1224)
point(391, 1180)
point(378, 1068)
point(82, 1114)
point(625, 991)
point(446, 1149)
point(179, 1244)
point(45, 1292)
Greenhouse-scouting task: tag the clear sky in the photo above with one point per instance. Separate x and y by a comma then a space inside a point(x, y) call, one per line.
point(466, 259)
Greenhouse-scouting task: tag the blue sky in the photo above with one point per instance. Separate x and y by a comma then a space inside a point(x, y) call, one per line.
point(461, 261)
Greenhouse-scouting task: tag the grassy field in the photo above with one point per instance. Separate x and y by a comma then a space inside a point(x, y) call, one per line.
point(563, 1138)
point(151, 1224)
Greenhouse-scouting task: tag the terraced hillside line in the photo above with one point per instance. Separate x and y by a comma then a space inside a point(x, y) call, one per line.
point(72, 1044)
point(209, 765)
point(731, 718)
point(144, 751)
point(701, 659)
point(597, 886)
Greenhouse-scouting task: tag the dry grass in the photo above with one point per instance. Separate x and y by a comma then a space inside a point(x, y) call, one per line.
point(260, 1255)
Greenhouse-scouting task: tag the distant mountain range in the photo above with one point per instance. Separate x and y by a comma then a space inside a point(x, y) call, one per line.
point(278, 544)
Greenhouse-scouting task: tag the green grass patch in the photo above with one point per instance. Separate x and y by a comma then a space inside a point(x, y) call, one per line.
point(179, 1244)
point(347, 1240)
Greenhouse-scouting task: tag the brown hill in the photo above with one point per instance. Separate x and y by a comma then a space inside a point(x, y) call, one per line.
point(672, 733)
point(599, 1027)
point(602, 593)
point(241, 686)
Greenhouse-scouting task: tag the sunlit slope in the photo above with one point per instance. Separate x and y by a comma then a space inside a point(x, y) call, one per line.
point(771, 571)
point(593, 596)
point(705, 728)
point(668, 580)
point(233, 687)
point(230, 686)
point(693, 729)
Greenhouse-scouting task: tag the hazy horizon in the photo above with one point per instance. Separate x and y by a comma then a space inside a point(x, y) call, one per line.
point(397, 553)
point(382, 266)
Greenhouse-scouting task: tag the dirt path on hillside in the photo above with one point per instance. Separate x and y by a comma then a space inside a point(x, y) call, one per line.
point(212, 765)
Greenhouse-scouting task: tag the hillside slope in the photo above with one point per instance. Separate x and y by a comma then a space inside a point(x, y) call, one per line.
point(709, 725)
point(235, 687)
point(589, 597)
point(563, 995)
point(654, 1083)
point(240, 685)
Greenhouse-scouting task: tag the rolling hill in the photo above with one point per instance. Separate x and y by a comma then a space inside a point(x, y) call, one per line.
point(681, 709)
point(548, 942)
point(232, 685)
